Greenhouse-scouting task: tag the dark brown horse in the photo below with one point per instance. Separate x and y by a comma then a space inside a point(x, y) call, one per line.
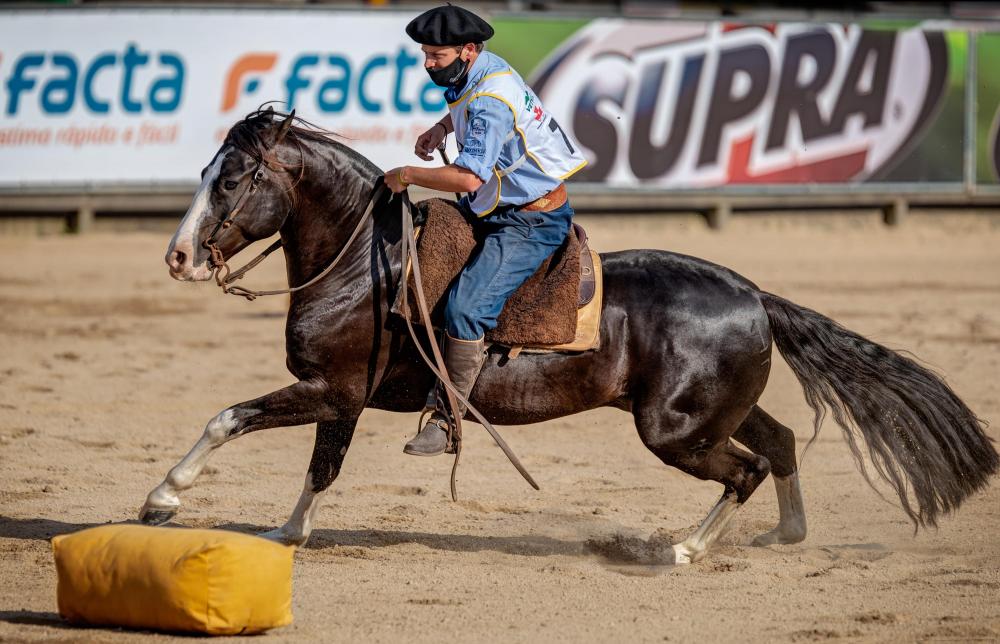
point(685, 347)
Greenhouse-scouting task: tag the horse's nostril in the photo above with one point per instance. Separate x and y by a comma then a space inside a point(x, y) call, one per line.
point(177, 259)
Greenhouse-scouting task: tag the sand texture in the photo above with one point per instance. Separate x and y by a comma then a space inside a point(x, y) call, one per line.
point(109, 371)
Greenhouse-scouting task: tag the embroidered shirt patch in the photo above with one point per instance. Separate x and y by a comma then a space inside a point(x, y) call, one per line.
point(474, 147)
point(477, 127)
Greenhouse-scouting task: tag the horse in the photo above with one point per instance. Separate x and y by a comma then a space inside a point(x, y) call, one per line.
point(685, 347)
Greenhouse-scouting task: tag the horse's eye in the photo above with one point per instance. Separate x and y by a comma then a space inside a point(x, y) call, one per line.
point(230, 185)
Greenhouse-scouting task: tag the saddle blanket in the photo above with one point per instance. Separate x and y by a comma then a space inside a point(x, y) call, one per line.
point(556, 309)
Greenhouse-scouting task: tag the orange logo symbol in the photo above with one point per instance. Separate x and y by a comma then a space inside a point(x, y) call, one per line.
point(257, 62)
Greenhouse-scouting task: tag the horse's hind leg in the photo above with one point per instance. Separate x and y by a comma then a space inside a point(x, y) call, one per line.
point(740, 472)
point(775, 442)
point(332, 440)
point(701, 447)
point(303, 402)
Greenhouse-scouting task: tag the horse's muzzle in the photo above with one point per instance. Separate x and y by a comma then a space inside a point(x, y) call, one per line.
point(181, 268)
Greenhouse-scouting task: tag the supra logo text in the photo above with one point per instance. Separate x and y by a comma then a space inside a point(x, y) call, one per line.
point(782, 104)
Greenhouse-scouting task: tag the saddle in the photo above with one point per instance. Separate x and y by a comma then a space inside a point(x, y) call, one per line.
point(556, 309)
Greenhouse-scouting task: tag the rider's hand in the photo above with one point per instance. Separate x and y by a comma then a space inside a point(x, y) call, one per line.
point(429, 141)
point(394, 180)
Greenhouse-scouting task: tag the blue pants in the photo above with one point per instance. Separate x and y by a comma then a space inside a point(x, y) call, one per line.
point(515, 245)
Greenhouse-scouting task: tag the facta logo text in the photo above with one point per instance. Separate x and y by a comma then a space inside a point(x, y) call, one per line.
point(131, 81)
point(331, 82)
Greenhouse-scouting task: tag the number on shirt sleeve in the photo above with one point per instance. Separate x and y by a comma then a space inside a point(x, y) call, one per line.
point(555, 128)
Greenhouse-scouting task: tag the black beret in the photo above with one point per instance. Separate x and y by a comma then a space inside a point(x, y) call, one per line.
point(449, 25)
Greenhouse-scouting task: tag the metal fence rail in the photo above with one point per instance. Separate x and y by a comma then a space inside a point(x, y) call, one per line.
point(81, 209)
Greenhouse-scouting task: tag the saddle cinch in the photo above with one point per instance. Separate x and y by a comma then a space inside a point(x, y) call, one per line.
point(558, 309)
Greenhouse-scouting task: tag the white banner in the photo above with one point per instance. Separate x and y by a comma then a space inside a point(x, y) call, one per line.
point(146, 97)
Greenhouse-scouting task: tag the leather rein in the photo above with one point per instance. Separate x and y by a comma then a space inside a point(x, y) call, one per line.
point(225, 278)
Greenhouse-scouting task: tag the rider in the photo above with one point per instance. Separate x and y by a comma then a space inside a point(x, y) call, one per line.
point(513, 158)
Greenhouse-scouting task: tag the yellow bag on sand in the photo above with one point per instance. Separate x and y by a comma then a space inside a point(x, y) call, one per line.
point(209, 581)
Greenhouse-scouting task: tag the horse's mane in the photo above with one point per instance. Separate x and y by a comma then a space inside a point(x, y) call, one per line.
point(249, 134)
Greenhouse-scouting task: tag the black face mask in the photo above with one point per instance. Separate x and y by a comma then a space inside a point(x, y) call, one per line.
point(451, 75)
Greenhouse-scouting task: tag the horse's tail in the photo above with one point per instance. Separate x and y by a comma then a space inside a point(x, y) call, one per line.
point(921, 438)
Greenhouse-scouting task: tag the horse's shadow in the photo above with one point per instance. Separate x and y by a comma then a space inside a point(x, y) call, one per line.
point(53, 620)
point(35, 618)
point(528, 545)
point(38, 529)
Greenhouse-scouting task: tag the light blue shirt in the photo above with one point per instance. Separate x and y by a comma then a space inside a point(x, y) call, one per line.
point(487, 139)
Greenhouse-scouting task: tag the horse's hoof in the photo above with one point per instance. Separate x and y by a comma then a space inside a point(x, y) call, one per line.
point(156, 516)
point(684, 555)
point(278, 535)
point(766, 539)
point(779, 537)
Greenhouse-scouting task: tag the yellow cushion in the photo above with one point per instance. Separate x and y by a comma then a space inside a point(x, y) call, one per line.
point(209, 581)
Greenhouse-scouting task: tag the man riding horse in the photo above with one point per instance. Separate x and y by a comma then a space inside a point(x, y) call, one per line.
point(513, 158)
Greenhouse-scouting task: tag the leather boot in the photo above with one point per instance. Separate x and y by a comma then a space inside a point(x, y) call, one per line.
point(463, 359)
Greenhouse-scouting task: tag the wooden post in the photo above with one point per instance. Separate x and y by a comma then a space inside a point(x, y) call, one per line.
point(895, 213)
point(719, 215)
point(82, 220)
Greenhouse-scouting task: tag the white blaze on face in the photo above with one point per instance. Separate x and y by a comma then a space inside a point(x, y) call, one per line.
point(181, 251)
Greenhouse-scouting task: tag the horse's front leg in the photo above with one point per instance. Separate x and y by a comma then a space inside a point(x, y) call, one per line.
point(332, 440)
point(304, 402)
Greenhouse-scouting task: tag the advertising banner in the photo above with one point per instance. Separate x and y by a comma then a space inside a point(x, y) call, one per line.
point(697, 105)
point(146, 96)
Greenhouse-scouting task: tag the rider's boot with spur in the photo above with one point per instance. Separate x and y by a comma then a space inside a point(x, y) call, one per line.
point(463, 359)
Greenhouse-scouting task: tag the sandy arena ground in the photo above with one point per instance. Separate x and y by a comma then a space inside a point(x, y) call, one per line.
point(109, 371)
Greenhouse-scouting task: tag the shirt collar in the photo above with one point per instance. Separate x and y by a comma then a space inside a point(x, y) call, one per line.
point(476, 72)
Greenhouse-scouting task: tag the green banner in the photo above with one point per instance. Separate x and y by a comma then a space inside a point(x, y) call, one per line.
point(988, 109)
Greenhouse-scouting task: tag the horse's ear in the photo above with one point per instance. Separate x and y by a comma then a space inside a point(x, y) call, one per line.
point(285, 125)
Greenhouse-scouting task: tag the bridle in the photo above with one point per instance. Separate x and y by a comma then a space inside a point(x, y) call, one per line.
point(225, 278)
point(212, 243)
point(220, 269)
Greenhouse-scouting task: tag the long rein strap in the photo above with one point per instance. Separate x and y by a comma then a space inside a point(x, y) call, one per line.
point(410, 254)
point(226, 281)
point(409, 257)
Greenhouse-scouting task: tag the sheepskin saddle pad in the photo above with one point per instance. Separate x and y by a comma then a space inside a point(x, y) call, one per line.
point(542, 314)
